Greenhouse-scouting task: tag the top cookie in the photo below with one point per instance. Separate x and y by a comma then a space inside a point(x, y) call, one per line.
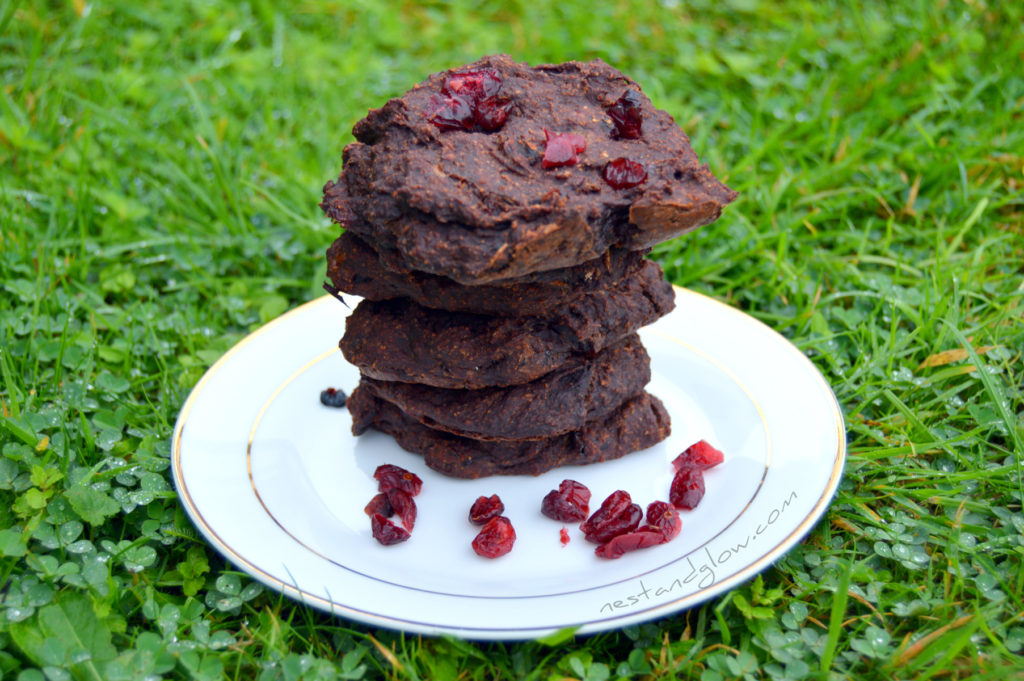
point(524, 169)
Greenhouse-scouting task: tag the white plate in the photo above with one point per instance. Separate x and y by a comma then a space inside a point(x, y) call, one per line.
point(277, 483)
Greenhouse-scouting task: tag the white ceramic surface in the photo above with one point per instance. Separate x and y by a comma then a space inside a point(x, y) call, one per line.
point(277, 483)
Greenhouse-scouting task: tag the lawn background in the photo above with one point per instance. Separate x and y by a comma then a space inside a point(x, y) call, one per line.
point(160, 166)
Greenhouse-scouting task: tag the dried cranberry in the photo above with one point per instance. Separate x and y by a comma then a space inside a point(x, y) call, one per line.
point(569, 503)
point(631, 541)
point(450, 113)
point(403, 504)
point(662, 517)
point(490, 116)
point(469, 102)
point(622, 173)
point(474, 85)
point(687, 488)
point(485, 508)
point(385, 531)
point(332, 397)
point(379, 504)
point(699, 455)
point(617, 515)
point(495, 539)
point(562, 149)
point(393, 477)
point(625, 114)
point(563, 536)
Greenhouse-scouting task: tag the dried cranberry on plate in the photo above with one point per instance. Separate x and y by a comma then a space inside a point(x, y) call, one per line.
point(495, 538)
point(687, 488)
point(485, 508)
point(386, 532)
point(699, 455)
point(569, 503)
point(617, 515)
point(390, 476)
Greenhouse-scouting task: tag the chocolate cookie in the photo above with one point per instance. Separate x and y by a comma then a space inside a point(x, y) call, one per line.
point(560, 402)
point(354, 267)
point(639, 423)
point(398, 340)
point(485, 198)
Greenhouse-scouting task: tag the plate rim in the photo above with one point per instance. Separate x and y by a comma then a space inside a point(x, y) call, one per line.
point(592, 625)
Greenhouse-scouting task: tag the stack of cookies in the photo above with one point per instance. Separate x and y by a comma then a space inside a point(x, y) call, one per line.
point(496, 219)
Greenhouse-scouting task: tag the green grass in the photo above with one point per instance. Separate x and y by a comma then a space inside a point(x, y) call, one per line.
point(159, 174)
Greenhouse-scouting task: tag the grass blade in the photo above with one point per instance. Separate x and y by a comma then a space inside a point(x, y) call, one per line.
point(835, 622)
point(999, 400)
